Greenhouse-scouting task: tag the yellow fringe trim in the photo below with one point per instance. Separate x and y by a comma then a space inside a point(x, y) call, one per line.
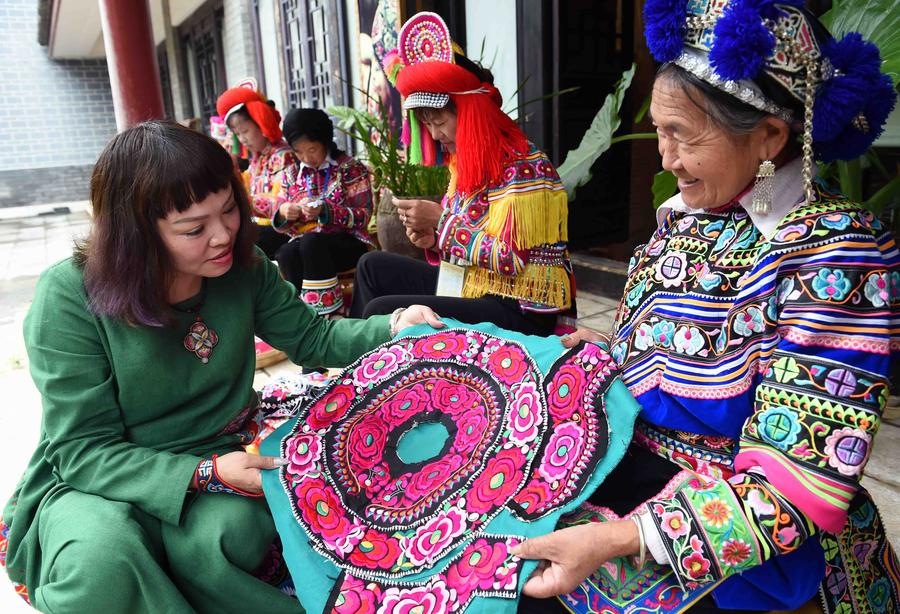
point(532, 218)
point(547, 285)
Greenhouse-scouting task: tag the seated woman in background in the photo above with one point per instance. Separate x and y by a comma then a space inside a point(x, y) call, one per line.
point(324, 207)
point(256, 123)
point(500, 234)
point(139, 496)
point(756, 331)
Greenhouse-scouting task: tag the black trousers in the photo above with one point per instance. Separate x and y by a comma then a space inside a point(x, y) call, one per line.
point(386, 281)
point(270, 240)
point(318, 255)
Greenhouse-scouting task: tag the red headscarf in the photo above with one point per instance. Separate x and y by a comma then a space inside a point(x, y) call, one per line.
point(486, 138)
point(264, 114)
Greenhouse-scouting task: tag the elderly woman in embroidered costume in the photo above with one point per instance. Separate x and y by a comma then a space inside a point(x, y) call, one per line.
point(139, 497)
point(500, 234)
point(324, 206)
point(256, 123)
point(756, 331)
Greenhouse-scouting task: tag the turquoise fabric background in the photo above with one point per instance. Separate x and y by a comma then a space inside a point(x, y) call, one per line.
point(314, 576)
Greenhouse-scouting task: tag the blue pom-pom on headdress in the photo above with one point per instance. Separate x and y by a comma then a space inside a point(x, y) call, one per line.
point(857, 68)
point(664, 28)
point(864, 127)
point(742, 41)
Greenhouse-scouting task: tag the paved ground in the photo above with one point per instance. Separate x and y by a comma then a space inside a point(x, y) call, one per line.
point(29, 244)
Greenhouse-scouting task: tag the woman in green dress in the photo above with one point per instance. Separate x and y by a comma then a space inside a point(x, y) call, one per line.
point(139, 497)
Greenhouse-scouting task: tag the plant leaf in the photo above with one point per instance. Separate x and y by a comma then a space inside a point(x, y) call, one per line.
point(884, 196)
point(575, 170)
point(877, 20)
point(665, 184)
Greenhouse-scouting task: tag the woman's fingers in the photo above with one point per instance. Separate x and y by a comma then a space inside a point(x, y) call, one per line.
point(583, 334)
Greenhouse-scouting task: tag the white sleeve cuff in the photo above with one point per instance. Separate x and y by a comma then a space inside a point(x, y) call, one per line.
point(653, 540)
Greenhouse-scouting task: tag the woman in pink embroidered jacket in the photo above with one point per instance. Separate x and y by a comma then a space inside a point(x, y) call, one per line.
point(256, 124)
point(324, 207)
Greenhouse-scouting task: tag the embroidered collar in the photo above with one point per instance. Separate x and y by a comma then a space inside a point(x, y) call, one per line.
point(327, 162)
point(788, 193)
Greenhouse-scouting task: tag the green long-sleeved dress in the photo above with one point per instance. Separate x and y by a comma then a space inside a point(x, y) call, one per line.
point(128, 413)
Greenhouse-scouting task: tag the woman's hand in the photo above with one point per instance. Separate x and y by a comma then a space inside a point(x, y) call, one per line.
point(570, 555)
point(242, 470)
point(584, 334)
point(289, 211)
point(418, 213)
point(421, 238)
point(418, 314)
point(312, 209)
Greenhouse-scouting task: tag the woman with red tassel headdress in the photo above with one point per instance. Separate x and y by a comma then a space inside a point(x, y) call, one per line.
point(499, 236)
point(256, 123)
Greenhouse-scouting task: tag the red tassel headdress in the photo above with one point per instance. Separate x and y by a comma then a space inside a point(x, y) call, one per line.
point(265, 115)
point(486, 138)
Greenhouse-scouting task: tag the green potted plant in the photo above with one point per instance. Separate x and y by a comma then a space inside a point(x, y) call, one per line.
point(392, 173)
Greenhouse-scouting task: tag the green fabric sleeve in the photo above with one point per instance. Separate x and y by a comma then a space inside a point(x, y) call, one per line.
point(287, 323)
point(81, 416)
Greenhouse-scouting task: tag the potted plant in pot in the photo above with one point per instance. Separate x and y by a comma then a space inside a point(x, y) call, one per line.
point(393, 174)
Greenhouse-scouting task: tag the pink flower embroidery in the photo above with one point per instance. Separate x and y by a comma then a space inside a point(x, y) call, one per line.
point(379, 365)
point(432, 476)
point(471, 429)
point(695, 564)
point(525, 415)
point(848, 450)
point(453, 398)
point(674, 524)
point(406, 403)
point(563, 451)
point(357, 597)
point(302, 452)
point(432, 598)
point(429, 540)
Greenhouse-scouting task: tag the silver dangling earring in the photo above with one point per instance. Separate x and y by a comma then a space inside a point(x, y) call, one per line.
point(764, 187)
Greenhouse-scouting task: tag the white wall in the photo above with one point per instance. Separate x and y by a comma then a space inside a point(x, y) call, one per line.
point(271, 52)
point(494, 23)
point(237, 40)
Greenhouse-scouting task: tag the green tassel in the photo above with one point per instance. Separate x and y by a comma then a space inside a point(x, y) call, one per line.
point(415, 140)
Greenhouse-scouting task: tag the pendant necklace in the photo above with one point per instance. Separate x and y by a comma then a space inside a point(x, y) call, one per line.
point(200, 339)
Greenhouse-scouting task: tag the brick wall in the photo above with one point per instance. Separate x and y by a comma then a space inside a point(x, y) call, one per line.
point(237, 39)
point(53, 113)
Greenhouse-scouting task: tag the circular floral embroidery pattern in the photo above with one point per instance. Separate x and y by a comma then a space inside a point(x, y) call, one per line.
point(362, 504)
point(373, 501)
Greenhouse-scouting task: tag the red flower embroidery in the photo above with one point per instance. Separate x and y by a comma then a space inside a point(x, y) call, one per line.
point(322, 511)
point(695, 564)
point(440, 346)
point(565, 390)
point(375, 551)
point(508, 364)
point(357, 597)
point(477, 567)
point(366, 441)
point(500, 478)
point(331, 407)
point(453, 398)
